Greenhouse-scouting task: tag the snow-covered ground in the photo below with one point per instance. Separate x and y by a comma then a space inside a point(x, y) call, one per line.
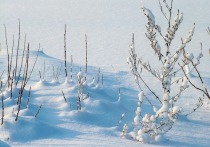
point(108, 25)
point(60, 124)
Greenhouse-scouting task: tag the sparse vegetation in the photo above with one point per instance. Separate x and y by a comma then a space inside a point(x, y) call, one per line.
point(60, 99)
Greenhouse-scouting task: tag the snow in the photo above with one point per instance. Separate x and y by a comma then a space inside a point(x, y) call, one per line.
point(108, 25)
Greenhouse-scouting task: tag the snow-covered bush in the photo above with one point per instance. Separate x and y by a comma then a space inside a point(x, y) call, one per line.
point(152, 126)
point(81, 85)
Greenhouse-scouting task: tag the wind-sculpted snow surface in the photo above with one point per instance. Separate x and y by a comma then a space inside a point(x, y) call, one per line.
point(59, 123)
point(46, 114)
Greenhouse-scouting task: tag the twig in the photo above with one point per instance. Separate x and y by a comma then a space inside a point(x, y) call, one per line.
point(29, 95)
point(26, 68)
point(64, 96)
point(99, 71)
point(8, 68)
point(139, 76)
point(54, 72)
point(208, 30)
point(17, 112)
point(40, 75)
point(65, 51)
point(2, 114)
point(198, 105)
point(119, 95)
point(38, 111)
point(170, 13)
point(102, 79)
point(21, 65)
point(37, 55)
point(11, 86)
point(161, 8)
point(86, 54)
point(121, 118)
point(58, 71)
point(71, 67)
point(18, 47)
point(206, 93)
point(43, 74)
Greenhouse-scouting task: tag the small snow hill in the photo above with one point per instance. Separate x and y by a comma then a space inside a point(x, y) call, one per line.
point(50, 115)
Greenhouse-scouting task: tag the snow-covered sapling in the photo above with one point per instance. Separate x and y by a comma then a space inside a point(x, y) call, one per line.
point(154, 125)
